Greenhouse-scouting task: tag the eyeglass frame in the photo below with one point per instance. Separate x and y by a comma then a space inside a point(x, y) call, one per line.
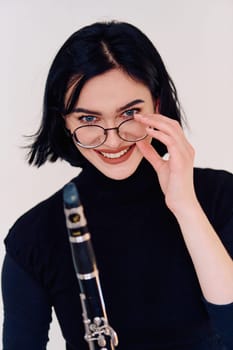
point(105, 134)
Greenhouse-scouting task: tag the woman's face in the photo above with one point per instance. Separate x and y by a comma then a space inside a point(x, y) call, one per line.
point(107, 100)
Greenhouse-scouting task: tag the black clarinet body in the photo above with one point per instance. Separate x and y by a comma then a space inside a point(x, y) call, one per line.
point(98, 333)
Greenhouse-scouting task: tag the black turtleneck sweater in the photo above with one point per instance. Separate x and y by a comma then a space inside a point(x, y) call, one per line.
point(150, 287)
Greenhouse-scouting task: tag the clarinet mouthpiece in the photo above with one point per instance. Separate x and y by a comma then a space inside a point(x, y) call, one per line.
point(71, 196)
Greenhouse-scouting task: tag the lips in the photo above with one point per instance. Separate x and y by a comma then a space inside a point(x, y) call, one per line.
point(117, 156)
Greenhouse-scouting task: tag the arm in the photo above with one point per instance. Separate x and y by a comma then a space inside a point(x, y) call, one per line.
point(213, 265)
point(27, 311)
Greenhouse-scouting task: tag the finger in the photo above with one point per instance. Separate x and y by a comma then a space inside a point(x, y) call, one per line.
point(160, 122)
point(171, 135)
point(150, 154)
point(180, 152)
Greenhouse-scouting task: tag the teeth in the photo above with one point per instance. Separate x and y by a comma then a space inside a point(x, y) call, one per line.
point(115, 155)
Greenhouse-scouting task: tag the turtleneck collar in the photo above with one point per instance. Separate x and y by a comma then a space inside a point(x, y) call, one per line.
point(142, 182)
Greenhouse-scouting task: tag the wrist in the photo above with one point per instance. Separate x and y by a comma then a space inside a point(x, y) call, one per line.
point(185, 208)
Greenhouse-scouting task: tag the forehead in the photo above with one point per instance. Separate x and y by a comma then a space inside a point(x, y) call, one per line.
point(113, 88)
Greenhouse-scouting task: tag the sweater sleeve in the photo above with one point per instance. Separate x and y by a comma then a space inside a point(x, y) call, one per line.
point(27, 310)
point(222, 319)
point(215, 192)
point(222, 315)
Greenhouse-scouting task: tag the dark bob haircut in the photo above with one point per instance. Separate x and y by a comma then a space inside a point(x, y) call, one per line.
point(91, 51)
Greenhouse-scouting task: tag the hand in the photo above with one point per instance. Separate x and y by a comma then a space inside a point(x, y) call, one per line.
point(213, 264)
point(175, 174)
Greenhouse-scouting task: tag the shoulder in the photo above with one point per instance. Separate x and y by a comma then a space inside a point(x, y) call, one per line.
point(46, 215)
point(37, 219)
point(212, 177)
point(213, 184)
point(214, 189)
point(39, 239)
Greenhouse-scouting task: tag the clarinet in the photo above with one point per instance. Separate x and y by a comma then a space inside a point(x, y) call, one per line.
point(98, 333)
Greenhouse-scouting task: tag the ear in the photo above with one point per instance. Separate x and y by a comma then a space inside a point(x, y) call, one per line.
point(157, 105)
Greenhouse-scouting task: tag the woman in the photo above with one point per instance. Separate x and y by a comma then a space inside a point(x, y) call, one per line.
point(161, 230)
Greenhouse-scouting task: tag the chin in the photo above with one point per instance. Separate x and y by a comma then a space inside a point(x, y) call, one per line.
point(118, 175)
point(119, 172)
point(116, 168)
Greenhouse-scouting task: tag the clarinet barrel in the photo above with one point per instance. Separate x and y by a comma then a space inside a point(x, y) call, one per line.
point(98, 333)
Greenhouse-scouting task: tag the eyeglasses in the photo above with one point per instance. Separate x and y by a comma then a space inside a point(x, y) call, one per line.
point(92, 136)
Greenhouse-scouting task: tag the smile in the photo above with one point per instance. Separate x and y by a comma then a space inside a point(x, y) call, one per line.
point(115, 155)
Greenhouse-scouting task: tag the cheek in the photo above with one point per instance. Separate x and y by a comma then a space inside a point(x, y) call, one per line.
point(87, 153)
point(82, 150)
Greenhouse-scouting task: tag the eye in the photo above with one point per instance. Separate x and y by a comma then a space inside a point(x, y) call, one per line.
point(130, 112)
point(88, 119)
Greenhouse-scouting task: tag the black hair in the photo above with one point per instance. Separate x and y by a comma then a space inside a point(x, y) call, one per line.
point(91, 51)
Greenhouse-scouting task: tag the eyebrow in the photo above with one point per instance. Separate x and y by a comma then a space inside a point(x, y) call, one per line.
point(88, 111)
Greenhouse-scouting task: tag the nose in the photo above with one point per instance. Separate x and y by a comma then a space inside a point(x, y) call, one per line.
point(113, 140)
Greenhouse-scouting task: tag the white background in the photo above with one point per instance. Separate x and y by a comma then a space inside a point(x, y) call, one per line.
point(194, 38)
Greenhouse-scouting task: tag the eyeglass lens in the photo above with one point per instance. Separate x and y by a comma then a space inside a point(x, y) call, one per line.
point(94, 135)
